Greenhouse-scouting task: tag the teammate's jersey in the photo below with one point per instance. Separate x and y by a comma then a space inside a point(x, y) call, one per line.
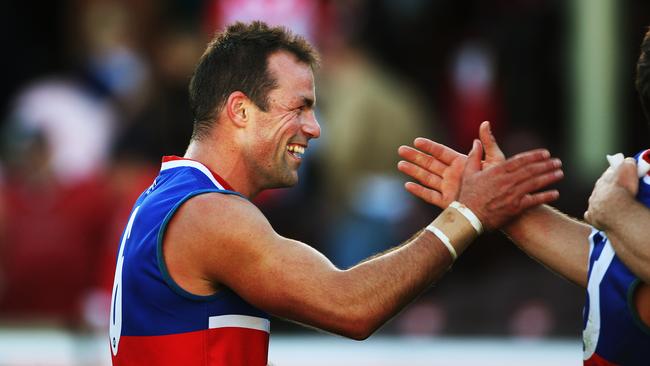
point(153, 321)
point(613, 332)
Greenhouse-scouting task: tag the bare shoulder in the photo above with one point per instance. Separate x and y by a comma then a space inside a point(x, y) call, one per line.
point(218, 213)
point(208, 235)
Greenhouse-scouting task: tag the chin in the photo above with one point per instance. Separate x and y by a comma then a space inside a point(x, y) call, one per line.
point(289, 179)
point(290, 182)
point(285, 182)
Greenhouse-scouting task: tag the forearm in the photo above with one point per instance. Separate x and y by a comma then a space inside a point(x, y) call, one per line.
point(628, 231)
point(379, 288)
point(300, 284)
point(554, 239)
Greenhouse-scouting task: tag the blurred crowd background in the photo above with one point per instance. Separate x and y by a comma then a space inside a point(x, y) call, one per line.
point(94, 92)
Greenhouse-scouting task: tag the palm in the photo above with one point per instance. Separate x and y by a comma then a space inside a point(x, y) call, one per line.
point(451, 180)
point(439, 169)
point(495, 189)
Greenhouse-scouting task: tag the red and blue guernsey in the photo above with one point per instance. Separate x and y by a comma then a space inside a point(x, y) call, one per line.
point(613, 331)
point(153, 321)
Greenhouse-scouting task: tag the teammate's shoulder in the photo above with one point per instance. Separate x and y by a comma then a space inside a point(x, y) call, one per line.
point(643, 155)
point(643, 165)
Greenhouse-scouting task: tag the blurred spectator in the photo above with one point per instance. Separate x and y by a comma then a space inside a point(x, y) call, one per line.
point(111, 58)
point(301, 16)
point(162, 123)
point(57, 196)
point(367, 113)
point(474, 95)
point(54, 201)
point(76, 126)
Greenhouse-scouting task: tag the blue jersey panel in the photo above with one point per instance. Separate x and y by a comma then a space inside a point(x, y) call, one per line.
point(152, 303)
point(620, 337)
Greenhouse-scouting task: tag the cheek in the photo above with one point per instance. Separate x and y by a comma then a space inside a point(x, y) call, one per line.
point(287, 127)
point(272, 133)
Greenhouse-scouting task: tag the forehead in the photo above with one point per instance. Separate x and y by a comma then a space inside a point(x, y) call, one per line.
point(291, 74)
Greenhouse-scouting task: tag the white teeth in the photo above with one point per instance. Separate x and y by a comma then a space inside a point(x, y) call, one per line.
point(296, 149)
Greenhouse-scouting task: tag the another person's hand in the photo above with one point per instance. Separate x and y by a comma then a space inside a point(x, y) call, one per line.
point(611, 190)
point(502, 190)
point(439, 168)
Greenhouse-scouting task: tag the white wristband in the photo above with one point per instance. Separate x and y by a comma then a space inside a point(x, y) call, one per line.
point(444, 239)
point(469, 215)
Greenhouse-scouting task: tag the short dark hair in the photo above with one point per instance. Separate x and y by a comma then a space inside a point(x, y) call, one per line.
point(642, 81)
point(236, 60)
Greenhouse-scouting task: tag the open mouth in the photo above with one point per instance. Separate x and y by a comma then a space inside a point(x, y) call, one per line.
point(297, 151)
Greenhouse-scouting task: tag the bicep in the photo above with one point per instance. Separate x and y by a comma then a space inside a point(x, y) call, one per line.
point(281, 276)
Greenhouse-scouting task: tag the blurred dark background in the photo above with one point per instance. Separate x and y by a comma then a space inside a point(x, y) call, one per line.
point(94, 92)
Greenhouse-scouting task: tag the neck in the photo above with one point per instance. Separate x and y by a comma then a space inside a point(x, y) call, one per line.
point(226, 161)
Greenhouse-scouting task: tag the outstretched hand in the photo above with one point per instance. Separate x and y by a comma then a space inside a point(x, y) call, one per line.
point(496, 189)
point(439, 168)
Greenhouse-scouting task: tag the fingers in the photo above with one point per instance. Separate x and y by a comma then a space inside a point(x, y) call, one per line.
point(627, 176)
point(540, 198)
point(505, 189)
point(589, 219)
point(427, 195)
point(538, 182)
point(525, 158)
point(445, 154)
point(492, 150)
point(474, 158)
point(526, 172)
point(627, 168)
point(421, 159)
point(420, 174)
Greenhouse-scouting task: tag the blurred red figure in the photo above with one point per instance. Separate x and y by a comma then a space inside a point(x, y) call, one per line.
point(54, 201)
point(474, 95)
point(52, 234)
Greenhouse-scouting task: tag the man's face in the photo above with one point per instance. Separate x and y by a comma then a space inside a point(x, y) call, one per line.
point(281, 134)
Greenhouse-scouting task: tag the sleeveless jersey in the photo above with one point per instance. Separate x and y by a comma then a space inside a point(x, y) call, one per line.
point(153, 321)
point(613, 332)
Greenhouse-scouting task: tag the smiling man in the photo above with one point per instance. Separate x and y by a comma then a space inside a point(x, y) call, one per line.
point(200, 268)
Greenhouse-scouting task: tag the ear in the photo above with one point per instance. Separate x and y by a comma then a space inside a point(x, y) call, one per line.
point(238, 108)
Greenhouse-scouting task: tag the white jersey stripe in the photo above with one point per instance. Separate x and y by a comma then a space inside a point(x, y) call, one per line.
point(192, 164)
point(239, 321)
point(591, 333)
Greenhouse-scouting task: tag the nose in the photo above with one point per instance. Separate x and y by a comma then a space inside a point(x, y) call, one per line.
point(311, 127)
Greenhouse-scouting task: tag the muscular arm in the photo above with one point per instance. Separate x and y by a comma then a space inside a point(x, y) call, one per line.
point(292, 280)
point(216, 240)
point(554, 239)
